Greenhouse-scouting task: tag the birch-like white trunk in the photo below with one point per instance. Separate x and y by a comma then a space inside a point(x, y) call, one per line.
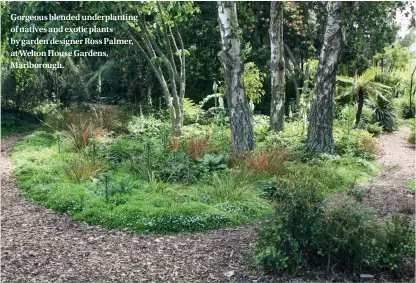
point(321, 116)
point(241, 118)
point(277, 66)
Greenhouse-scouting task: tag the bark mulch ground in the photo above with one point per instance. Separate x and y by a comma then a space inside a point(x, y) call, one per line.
point(40, 245)
point(389, 193)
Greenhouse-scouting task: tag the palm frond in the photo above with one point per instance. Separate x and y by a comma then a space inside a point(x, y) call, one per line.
point(368, 76)
point(344, 79)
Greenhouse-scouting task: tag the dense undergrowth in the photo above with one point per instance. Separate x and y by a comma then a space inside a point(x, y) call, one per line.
point(17, 122)
point(119, 171)
point(139, 177)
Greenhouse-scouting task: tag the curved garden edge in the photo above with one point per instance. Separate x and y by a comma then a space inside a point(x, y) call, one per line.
point(39, 245)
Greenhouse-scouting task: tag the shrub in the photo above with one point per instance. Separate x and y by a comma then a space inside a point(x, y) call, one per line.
point(291, 240)
point(365, 142)
point(123, 149)
point(384, 112)
point(358, 142)
point(351, 235)
point(175, 167)
point(337, 235)
point(146, 128)
point(211, 163)
point(261, 127)
point(375, 129)
point(399, 245)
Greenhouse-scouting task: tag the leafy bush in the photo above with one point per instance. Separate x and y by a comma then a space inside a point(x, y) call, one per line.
point(18, 121)
point(358, 142)
point(292, 238)
point(191, 111)
point(339, 234)
point(399, 244)
point(211, 163)
point(384, 112)
point(375, 129)
point(261, 127)
point(351, 235)
point(175, 167)
point(292, 138)
point(123, 149)
point(145, 128)
point(407, 110)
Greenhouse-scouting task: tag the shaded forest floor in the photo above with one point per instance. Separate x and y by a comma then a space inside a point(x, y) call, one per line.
point(40, 245)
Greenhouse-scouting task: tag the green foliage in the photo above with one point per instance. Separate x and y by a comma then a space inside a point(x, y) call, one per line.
point(123, 150)
point(337, 234)
point(211, 163)
point(82, 168)
point(119, 199)
point(374, 129)
point(190, 111)
point(399, 244)
point(13, 123)
point(144, 128)
point(384, 112)
point(261, 127)
point(291, 239)
point(175, 167)
point(233, 186)
point(253, 82)
point(395, 57)
point(358, 142)
point(412, 136)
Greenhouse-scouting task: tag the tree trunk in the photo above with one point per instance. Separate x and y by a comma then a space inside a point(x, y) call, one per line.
point(277, 66)
point(321, 116)
point(360, 106)
point(241, 118)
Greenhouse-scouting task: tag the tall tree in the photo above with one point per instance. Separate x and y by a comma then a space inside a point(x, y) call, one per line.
point(277, 66)
point(321, 116)
point(241, 118)
point(159, 41)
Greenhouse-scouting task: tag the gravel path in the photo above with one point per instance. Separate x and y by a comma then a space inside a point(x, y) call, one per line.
point(39, 245)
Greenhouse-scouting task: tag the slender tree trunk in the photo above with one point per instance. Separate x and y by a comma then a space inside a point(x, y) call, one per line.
point(411, 93)
point(277, 65)
point(294, 80)
point(321, 116)
point(150, 48)
point(241, 118)
point(360, 106)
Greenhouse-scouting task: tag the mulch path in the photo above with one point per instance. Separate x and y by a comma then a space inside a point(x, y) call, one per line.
point(40, 245)
point(388, 193)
